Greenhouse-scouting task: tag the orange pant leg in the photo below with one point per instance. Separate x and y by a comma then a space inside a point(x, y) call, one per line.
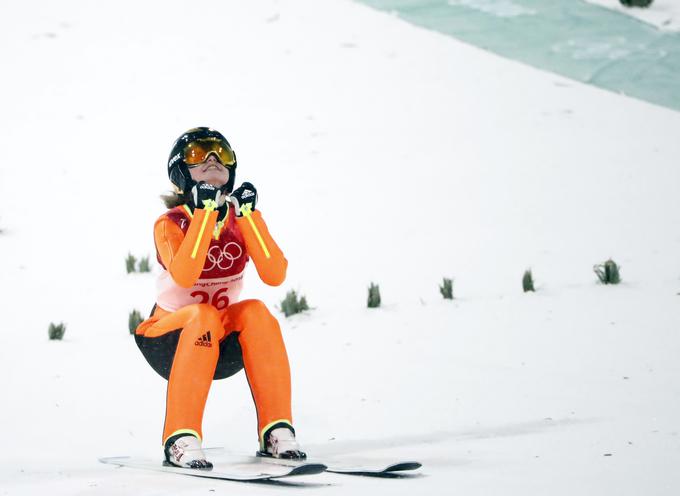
point(193, 367)
point(265, 361)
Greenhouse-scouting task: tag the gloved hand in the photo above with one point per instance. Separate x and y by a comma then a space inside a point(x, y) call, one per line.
point(244, 197)
point(206, 196)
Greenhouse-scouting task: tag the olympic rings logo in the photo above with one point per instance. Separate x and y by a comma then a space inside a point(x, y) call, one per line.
point(223, 258)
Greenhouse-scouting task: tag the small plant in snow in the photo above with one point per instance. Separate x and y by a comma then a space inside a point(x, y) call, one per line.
point(293, 304)
point(636, 3)
point(130, 262)
point(134, 319)
point(446, 289)
point(373, 296)
point(528, 281)
point(608, 272)
point(144, 265)
point(56, 331)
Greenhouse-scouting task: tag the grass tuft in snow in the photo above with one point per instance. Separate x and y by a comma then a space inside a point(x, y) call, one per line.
point(528, 281)
point(134, 319)
point(56, 331)
point(608, 272)
point(373, 296)
point(144, 265)
point(130, 262)
point(446, 288)
point(293, 304)
point(636, 3)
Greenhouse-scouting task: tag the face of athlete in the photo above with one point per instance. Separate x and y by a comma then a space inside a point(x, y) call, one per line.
point(211, 171)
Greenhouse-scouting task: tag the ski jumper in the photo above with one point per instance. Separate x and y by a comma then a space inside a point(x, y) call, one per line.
point(199, 331)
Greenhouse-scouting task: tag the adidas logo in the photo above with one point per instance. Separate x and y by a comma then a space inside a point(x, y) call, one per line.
point(204, 340)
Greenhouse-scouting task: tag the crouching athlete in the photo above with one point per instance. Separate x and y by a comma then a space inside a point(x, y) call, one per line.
point(198, 330)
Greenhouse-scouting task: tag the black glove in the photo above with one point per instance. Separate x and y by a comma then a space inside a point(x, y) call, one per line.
point(245, 198)
point(205, 196)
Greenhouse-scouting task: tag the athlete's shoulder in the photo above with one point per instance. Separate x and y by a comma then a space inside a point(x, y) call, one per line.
point(180, 216)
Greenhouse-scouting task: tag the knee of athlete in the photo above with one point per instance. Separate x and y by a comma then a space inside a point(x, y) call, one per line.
point(207, 318)
point(259, 316)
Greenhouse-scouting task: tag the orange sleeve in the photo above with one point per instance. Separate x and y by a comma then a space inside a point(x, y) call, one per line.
point(184, 256)
point(269, 261)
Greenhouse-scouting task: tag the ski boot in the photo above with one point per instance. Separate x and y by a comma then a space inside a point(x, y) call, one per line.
point(184, 450)
point(280, 442)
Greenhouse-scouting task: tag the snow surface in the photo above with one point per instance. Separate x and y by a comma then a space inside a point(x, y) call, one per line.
point(664, 14)
point(382, 152)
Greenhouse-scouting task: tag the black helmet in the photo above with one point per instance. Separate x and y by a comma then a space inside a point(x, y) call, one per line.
point(194, 147)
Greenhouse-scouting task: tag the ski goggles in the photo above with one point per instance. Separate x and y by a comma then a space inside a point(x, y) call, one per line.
point(198, 151)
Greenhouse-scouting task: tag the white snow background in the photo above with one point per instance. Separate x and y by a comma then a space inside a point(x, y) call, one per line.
point(383, 153)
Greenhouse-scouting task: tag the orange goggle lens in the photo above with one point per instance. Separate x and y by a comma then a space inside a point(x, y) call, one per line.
point(198, 151)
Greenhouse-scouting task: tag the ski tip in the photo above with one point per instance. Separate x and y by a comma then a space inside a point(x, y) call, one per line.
point(401, 466)
point(308, 469)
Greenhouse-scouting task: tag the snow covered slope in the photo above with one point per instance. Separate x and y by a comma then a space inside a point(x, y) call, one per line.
point(382, 152)
point(664, 14)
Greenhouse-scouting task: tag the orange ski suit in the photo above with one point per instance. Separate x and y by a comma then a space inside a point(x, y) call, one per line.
point(197, 333)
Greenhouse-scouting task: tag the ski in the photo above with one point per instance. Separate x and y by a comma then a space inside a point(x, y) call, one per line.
point(260, 468)
point(241, 469)
point(348, 467)
point(392, 469)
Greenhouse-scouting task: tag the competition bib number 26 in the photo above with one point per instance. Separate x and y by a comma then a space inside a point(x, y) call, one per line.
point(219, 299)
